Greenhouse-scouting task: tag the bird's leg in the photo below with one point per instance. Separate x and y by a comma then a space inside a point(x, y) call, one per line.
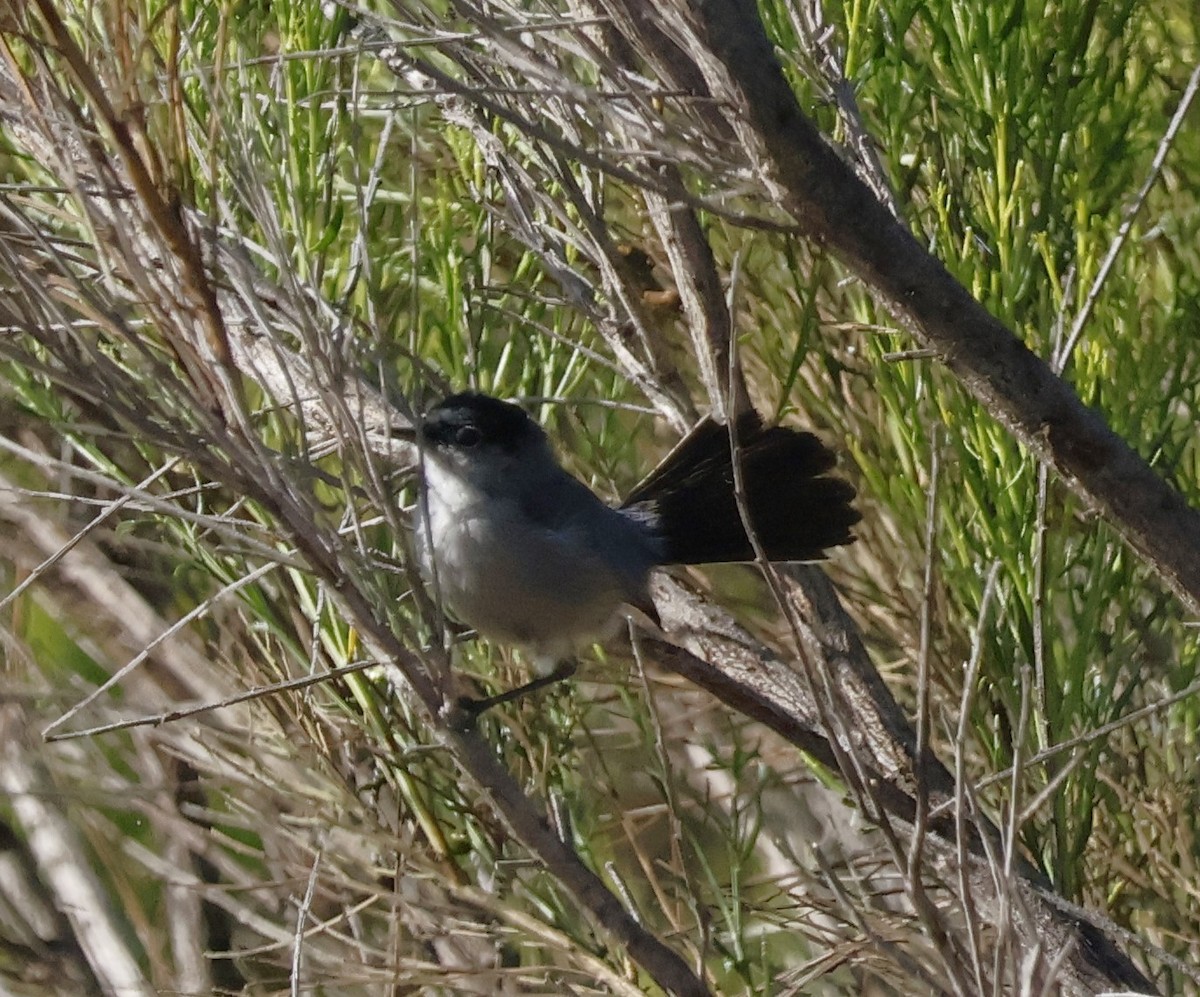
point(470, 709)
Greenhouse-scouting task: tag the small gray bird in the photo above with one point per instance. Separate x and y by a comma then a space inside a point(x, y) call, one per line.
point(529, 555)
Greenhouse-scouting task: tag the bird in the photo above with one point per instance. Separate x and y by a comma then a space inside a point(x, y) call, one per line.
point(525, 553)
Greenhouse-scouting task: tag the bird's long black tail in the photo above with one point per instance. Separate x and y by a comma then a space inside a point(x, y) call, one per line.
point(796, 509)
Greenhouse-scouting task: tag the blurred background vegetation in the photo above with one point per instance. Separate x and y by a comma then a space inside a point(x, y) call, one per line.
point(319, 839)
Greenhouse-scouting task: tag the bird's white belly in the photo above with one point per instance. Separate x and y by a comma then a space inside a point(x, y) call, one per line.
point(516, 582)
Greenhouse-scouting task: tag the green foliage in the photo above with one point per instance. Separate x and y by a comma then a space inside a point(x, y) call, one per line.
point(1015, 137)
point(1020, 136)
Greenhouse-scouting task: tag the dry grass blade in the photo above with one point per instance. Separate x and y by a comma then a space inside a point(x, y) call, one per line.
point(148, 263)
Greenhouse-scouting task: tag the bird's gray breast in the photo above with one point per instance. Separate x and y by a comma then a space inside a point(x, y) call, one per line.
point(546, 568)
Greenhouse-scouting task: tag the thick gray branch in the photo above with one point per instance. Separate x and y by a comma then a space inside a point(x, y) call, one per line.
point(837, 210)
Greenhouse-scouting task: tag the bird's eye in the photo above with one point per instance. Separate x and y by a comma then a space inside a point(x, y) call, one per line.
point(468, 436)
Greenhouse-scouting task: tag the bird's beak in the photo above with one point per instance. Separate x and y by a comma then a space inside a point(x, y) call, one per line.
point(406, 433)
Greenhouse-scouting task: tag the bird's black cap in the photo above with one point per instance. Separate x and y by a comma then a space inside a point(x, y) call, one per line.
point(469, 419)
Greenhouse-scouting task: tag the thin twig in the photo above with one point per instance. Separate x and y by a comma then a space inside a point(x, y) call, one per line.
point(1118, 243)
